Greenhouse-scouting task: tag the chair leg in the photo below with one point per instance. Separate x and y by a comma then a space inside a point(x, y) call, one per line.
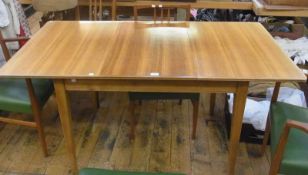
point(212, 104)
point(180, 101)
point(212, 109)
point(96, 99)
point(266, 136)
point(77, 13)
point(195, 104)
point(41, 134)
point(5, 50)
point(133, 121)
point(135, 14)
point(36, 110)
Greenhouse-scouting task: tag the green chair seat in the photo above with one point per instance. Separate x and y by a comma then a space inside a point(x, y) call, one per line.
point(94, 171)
point(14, 96)
point(295, 157)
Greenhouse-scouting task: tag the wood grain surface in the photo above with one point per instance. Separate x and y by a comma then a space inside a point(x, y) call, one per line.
point(135, 50)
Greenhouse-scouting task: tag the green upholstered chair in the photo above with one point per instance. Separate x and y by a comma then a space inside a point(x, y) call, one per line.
point(24, 96)
point(94, 171)
point(289, 139)
point(139, 96)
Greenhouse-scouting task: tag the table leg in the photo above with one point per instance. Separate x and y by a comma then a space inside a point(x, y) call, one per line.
point(236, 124)
point(268, 123)
point(66, 122)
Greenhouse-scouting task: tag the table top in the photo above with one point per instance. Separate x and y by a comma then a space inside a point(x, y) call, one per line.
point(220, 51)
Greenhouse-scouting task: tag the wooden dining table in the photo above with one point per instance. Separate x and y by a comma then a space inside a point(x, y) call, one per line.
point(205, 57)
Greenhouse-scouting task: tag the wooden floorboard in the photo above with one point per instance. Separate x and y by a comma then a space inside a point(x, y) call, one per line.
point(180, 137)
point(200, 156)
point(142, 145)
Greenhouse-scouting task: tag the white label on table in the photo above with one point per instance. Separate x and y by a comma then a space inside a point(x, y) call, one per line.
point(154, 74)
point(91, 74)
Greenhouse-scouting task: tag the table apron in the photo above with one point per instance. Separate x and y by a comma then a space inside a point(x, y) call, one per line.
point(151, 85)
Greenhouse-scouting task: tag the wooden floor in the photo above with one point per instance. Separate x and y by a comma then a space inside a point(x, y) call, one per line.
point(162, 140)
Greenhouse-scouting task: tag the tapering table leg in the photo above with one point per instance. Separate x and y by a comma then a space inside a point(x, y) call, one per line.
point(236, 125)
point(268, 124)
point(66, 122)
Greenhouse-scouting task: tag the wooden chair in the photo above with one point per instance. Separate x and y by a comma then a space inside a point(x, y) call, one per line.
point(289, 139)
point(162, 9)
point(96, 10)
point(24, 96)
point(57, 10)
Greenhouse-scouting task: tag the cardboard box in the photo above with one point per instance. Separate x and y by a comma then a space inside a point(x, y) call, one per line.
point(287, 2)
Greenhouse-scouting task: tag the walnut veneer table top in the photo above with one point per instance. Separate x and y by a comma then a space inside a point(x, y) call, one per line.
point(217, 51)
